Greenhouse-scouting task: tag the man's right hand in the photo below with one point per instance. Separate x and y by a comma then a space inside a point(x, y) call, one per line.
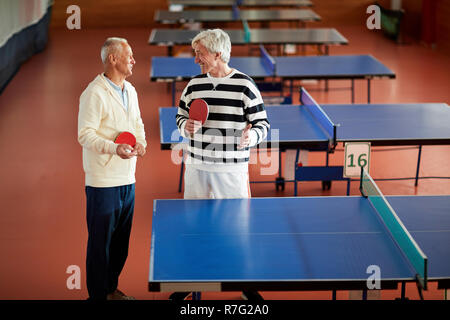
point(192, 126)
point(125, 151)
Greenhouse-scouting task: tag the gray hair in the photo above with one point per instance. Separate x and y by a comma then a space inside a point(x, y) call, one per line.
point(110, 46)
point(215, 40)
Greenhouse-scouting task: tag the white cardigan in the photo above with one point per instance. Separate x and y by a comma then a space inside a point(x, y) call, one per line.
point(101, 118)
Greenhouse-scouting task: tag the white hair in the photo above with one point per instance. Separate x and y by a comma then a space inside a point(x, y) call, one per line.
point(110, 46)
point(215, 40)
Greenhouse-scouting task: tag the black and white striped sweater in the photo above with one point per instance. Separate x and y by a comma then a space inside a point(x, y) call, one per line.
point(234, 101)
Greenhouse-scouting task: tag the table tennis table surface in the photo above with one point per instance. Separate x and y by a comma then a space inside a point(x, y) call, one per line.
point(256, 3)
point(299, 15)
point(312, 67)
point(317, 36)
point(299, 243)
point(380, 124)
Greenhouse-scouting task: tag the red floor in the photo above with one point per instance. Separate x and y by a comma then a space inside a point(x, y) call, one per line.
point(42, 223)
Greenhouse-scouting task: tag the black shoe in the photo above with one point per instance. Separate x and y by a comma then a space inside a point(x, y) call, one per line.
point(251, 296)
point(179, 296)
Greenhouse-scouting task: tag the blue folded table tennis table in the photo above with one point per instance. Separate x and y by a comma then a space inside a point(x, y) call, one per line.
point(315, 127)
point(300, 243)
point(350, 67)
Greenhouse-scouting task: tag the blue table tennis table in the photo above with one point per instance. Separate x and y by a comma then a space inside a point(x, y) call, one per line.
point(315, 127)
point(299, 16)
point(242, 3)
point(268, 68)
point(320, 37)
point(299, 243)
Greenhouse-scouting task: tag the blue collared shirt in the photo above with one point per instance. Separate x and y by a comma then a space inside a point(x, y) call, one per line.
point(122, 93)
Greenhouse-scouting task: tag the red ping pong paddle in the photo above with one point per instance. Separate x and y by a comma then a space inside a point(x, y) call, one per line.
point(126, 137)
point(199, 110)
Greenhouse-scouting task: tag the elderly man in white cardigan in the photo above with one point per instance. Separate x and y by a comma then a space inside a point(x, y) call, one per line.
point(108, 106)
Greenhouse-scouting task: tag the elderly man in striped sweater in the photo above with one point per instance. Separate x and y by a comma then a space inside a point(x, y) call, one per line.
point(219, 150)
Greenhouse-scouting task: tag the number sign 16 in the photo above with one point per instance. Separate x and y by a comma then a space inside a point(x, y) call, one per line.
point(357, 155)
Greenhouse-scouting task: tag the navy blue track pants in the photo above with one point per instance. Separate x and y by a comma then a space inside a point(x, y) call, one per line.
point(109, 218)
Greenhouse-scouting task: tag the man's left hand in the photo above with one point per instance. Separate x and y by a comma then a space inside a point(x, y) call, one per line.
point(139, 148)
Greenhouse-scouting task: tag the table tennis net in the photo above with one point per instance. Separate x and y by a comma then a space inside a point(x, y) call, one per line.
point(319, 114)
point(247, 33)
point(235, 10)
point(267, 60)
point(395, 226)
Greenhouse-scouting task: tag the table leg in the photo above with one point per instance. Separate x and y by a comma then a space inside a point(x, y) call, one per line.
point(353, 90)
point(418, 166)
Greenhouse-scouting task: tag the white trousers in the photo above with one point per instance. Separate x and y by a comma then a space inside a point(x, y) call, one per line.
point(200, 184)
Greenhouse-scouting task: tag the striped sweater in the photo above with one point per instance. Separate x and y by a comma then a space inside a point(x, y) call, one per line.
point(234, 101)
